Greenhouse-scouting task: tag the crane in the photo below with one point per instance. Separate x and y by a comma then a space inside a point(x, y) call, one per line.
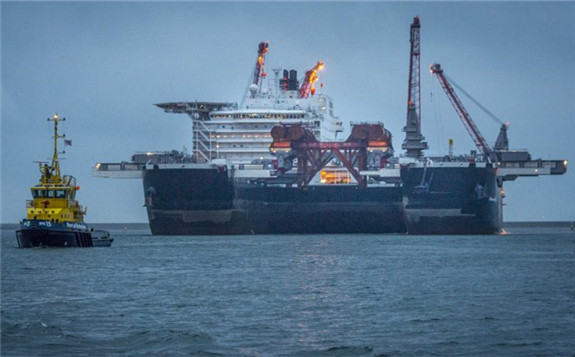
point(259, 70)
point(414, 89)
point(502, 142)
point(469, 124)
point(307, 87)
point(413, 142)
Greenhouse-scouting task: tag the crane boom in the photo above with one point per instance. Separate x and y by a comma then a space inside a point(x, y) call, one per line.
point(469, 124)
point(259, 69)
point(307, 87)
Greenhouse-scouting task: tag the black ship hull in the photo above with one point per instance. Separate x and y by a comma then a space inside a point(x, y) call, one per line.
point(44, 233)
point(320, 209)
point(34, 234)
point(207, 202)
point(452, 200)
point(196, 201)
point(463, 199)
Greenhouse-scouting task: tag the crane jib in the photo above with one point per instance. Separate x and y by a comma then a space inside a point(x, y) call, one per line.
point(469, 124)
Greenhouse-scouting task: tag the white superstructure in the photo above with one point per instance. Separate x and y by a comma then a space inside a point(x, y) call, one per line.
point(240, 134)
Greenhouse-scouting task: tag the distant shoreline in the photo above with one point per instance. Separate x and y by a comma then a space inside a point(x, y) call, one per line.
point(113, 226)
point(140, 226)
point(538, 224)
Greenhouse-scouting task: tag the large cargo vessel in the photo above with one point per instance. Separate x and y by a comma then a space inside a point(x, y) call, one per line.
point(268, 195)
point(275, 164)
point(234, 184)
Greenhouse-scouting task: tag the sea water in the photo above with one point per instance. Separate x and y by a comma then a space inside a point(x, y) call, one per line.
point(293, 295)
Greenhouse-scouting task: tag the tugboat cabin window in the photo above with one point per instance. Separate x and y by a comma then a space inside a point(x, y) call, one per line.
point(49, 193)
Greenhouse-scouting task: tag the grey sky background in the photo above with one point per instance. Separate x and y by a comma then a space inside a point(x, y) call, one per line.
point(103, 65)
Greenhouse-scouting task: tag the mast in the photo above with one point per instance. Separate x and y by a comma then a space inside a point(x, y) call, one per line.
point(55, 167)
point(413, 143)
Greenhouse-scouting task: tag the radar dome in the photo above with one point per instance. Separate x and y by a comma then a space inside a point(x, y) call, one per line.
point(253, 88)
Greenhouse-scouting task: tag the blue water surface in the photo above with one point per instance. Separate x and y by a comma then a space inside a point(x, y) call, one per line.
point(293, 295)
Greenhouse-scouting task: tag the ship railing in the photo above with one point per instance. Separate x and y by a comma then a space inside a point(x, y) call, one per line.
point(202, 149)
point(553, 167)
point(159, 157)
point(531, 164)
point(259, 150)
point(123, 166)
point(204, 143)
point(237, 130)
point(69, 180)
point(366, 122)
point(257, 139)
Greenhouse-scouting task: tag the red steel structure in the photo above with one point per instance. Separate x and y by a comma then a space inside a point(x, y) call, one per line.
point(259, 70)
point(307, 87)
point(294, 141)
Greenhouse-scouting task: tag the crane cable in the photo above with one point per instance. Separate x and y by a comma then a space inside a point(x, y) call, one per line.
point(491, 115)
point(439, 133)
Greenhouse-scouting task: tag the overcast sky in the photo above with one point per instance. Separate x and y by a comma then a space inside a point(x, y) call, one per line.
point(103, 65)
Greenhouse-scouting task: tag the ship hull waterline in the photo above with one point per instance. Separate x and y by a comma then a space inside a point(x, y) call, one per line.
point(38, 233)
point(452, 200)
point(207, 202)
point(40, 238)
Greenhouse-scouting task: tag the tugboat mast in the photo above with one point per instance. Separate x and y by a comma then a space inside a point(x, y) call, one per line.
point(55, 168)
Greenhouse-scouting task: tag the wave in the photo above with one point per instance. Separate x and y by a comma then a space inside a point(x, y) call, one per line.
point(40, 339)
point(342, 351)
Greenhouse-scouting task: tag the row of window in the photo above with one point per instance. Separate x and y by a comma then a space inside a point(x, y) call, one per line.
point(49, 193)
point(245, 136)
point(257, 115)
point(263, 145)
point(242, 127)
point(64, 216)
point(314, 124)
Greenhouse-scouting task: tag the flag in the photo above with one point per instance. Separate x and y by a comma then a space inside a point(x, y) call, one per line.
point(67, 142)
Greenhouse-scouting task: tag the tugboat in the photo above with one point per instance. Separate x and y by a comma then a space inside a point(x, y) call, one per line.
point(54, 217)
